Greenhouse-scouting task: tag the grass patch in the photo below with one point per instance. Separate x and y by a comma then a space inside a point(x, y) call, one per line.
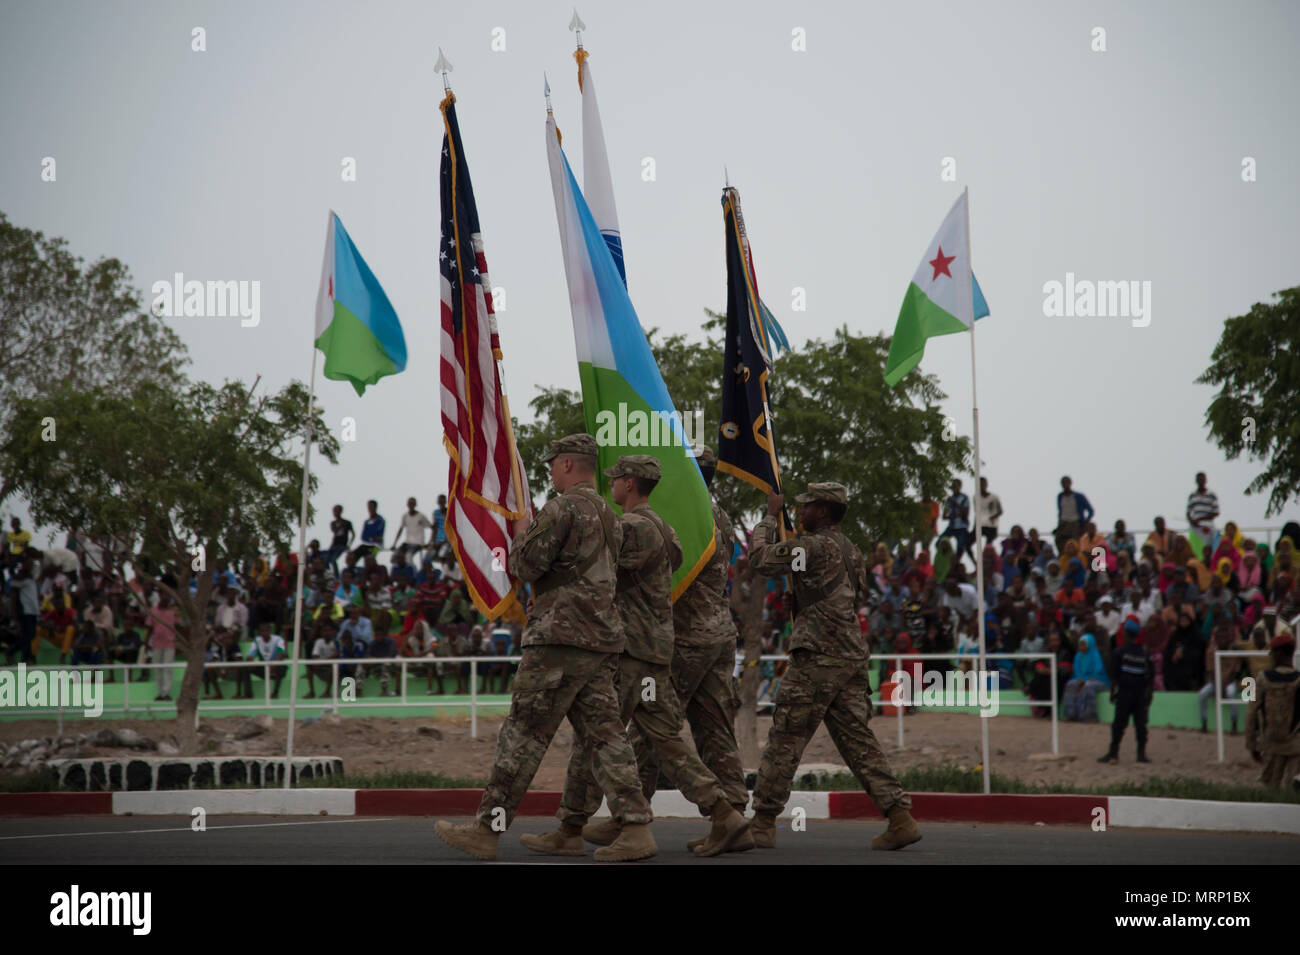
point(395, 779)
point(33, 781)
point(948, 778)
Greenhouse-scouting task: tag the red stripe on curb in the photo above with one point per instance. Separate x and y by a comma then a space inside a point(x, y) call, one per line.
point(978, 807)
point(444, 802)
point(55, 804)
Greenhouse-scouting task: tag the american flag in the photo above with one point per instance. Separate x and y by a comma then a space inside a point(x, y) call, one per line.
point(487, 498)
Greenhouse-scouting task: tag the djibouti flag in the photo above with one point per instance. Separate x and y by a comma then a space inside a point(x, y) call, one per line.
point(356, 326)
point(936, 302)
point(624, 400)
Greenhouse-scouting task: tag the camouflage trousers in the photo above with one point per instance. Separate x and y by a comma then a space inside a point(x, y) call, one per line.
point(554, 682)
point(659, 722)
point(818, 688)
point(701, 677)
point(1279, 770)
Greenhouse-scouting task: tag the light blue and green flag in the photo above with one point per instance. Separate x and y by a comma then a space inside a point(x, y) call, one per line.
point(624, 399)
point(356, 326)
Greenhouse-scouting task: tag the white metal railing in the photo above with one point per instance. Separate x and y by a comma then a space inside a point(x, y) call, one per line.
point(1219, 699)
point(331, 704)
point(954, 657)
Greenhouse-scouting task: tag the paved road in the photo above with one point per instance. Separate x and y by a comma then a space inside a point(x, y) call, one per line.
point(245, 840)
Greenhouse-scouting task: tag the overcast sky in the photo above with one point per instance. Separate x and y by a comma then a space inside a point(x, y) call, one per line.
point(1117, 165)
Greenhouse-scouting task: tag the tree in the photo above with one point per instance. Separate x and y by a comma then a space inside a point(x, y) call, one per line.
point(65, 324)
point(1256, 365)
point(186, 477)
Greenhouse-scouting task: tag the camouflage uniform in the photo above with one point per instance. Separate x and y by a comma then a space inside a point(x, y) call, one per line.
point(570, 651)
point(703, 659)
point(1281, 747)
point(649, 554)
point(828, 679)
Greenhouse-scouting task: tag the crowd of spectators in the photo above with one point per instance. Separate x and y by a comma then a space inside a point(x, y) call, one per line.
point(354, 608)
point(1071, 596)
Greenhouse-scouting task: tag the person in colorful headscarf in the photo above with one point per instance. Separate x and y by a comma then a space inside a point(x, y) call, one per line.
point(1089, 677)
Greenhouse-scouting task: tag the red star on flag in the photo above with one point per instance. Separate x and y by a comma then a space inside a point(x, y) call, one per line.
point(941, 263)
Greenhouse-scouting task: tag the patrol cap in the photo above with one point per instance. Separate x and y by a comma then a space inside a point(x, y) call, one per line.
point(571, 444)
point(635, 465)
point(825, 491)
point(1281, 641)
point(706, 458)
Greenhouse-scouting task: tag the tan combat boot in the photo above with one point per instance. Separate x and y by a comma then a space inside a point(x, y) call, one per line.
point(633, 842)
point(762, 828)
point(902, 831)
point(601, 833)
point(477, 839)
point(728, 827)
point(746, 841)
point(565, 841)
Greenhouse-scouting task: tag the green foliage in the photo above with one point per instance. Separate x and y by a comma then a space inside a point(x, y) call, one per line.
point(161, 470)
point(65, 324)
point(1256, 365)
point(556, 412)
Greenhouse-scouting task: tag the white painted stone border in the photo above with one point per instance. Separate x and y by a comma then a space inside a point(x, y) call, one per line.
point(270, 802)
point(1145, 812)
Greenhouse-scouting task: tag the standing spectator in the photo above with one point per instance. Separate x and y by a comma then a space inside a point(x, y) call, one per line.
point(414, 526)
point(440, 527)
point(223, 647)
point(129, 642)
point(1202, 509)
point(956, 511)
point(372, 532)
point(961, 600)
point(931, 511)
point(343, 533)
point(1072, 512)
point(16, 543)
point(990, 509)
point(162, 642)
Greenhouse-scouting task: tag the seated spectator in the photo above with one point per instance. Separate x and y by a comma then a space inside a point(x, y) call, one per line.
point(325, 648)
point(420, 644)
point(128, 645)
point(1088, 677)
point(232, 614)
point(1054, 578)
point(1184, 658)
point(350, 649)
point(223, 647)
point(347, 592)
point(384, 649)
point(1121, 541)
point(268, 646)
point(86, 649)
point(58, 622)
point(358, 626)
point(1229, 669)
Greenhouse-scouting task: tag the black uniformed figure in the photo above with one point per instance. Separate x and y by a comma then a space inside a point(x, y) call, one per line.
point(1132, 681)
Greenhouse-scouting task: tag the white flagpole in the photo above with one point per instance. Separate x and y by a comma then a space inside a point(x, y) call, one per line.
point(302, 572)
point(979, 554)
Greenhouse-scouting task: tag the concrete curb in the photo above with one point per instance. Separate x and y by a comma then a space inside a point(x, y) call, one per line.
point(1117, 811)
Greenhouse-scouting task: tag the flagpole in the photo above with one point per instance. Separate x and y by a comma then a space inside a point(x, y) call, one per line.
point(302, 570)
point(979, 559)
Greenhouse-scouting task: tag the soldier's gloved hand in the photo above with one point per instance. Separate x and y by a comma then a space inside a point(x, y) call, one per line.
point(775, 504)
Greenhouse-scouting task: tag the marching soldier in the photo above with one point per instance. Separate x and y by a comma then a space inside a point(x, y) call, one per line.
point(1273, 717)
point(828, 678)
point(650, 552)
point(703, 656)
point(571, 649)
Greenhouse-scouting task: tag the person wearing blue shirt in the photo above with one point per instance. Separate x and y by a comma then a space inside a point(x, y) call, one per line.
point(358, 625)
point(1073, 512)
point(1089, 676)
point(372, 532)
point(440, 525)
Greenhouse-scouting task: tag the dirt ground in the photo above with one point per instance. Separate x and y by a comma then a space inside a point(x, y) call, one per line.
point(1019, 747)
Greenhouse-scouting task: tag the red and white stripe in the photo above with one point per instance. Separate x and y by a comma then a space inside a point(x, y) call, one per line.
point(482, 507)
